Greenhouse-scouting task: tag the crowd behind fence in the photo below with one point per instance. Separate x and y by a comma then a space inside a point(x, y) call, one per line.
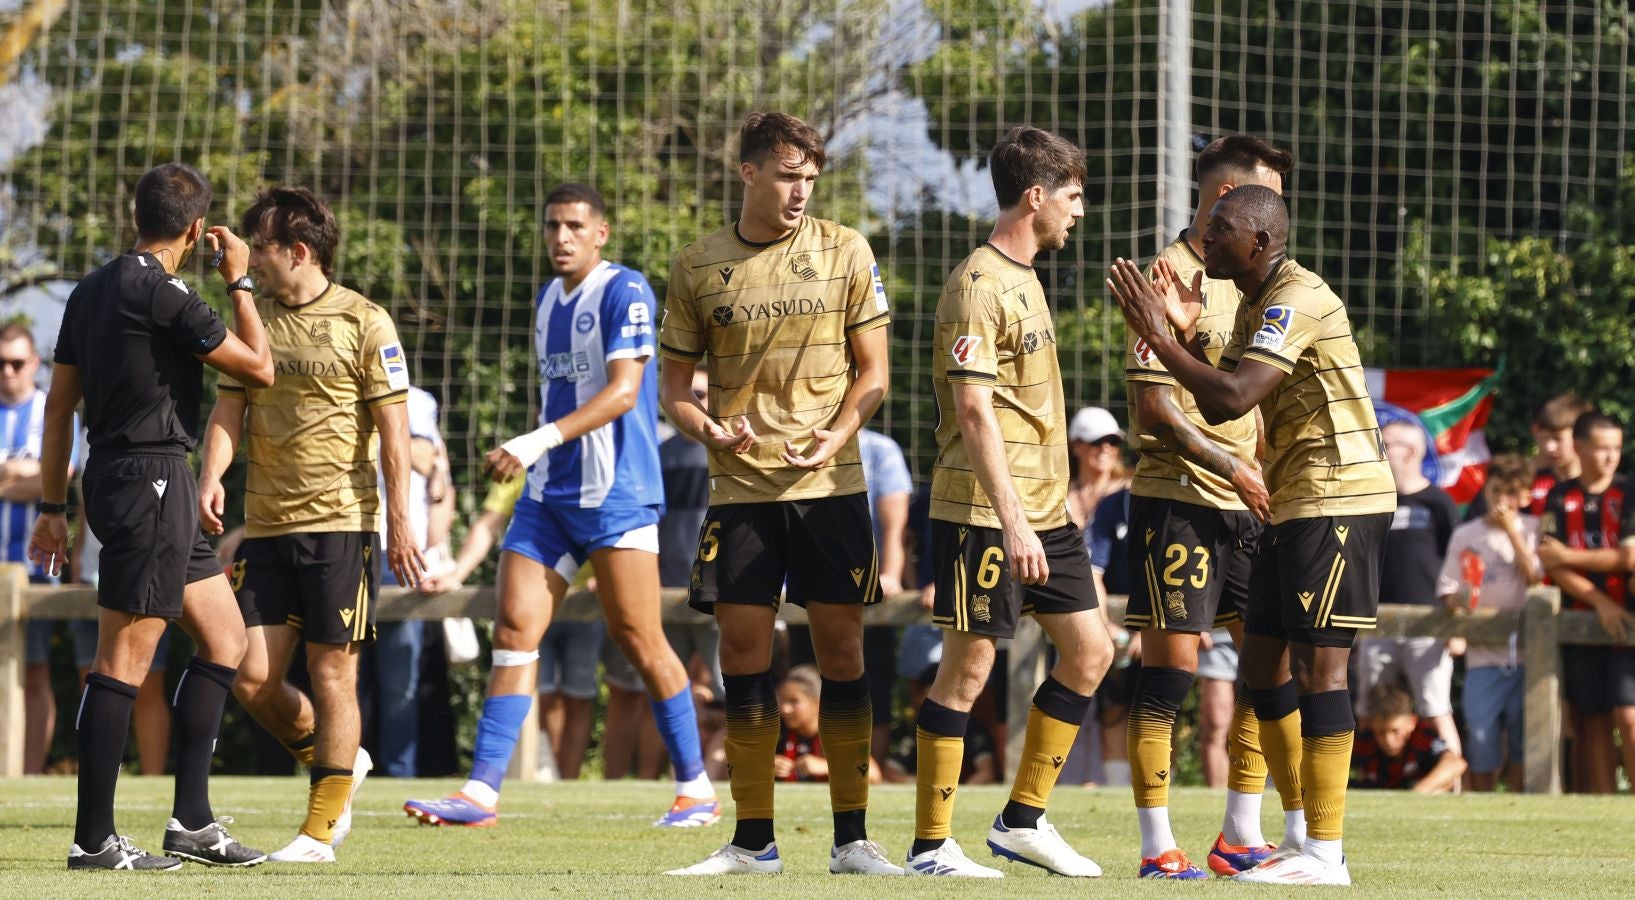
point(1545, 629)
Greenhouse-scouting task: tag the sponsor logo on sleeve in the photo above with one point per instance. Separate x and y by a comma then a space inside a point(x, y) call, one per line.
point(1274, 328)
point(964, 349)
point(396, 367)
point(1143, 353)
point(880, 304)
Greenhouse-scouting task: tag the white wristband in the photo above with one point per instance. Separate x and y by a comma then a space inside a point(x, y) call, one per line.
point(528, 448)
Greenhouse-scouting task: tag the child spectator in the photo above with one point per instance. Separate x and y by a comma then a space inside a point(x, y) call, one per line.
point(1587, 545)
point(1557, 459)
point(1490, 564)
point(800, 750)
point(980, 764)
point(1397, 750)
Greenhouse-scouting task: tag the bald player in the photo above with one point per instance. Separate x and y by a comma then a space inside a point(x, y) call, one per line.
point(1316, 583)
point(1196, 501)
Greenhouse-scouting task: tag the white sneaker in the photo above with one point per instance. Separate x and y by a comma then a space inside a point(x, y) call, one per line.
point(1042, 846)
point(362, 764)
point(730, 860)
point(1296, 868)
point(861, 858)
point(1278, 855)
point(949, 861)
point(305, 849)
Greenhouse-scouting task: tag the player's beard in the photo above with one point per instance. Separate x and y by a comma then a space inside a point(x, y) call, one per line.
point(1049, 233)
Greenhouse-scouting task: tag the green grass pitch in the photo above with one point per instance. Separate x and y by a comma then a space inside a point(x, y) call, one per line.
point(595, 839)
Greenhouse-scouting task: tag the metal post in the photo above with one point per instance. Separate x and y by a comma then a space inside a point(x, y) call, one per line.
point(1541, 656)
point(1175, 115)
point(13, 668)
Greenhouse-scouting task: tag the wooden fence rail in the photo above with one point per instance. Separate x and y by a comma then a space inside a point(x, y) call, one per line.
point(1543, 626)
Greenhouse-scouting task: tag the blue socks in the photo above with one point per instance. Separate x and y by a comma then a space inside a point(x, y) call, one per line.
point(497, 732)
point(678, 726)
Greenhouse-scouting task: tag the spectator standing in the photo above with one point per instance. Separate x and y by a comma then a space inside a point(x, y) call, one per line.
point(1395, 749)
point(1587, 545)
point(22, 422)
point(397, 649)
point(1095, 447)
point(1557, 458)
point(1504, 544)
point(1414, 550)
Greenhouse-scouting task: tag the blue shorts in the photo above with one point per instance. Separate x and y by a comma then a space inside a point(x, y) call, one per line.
point(1494, 698)
point(562, 537)
point(568, 657)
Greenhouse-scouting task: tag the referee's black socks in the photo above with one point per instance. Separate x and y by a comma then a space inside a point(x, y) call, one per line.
point(103, 723)
point(195, 720)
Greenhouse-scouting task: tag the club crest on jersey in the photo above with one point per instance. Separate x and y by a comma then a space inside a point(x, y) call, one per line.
point(802, 265)
point(1274, 327)
point(1143, 353)
point(584, 322)
point(395, 366)
point(1175, 603)
point(964, 349)
point(320, 331)
point(979, 608)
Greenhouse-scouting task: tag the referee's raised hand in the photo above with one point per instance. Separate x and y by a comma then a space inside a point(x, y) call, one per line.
point(235, 262)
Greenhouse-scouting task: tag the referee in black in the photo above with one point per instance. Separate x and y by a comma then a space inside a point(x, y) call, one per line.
point(133, 345)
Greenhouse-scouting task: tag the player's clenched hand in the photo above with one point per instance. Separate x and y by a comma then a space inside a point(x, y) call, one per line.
point(235, 263)
point(501, 465)
point(738, 440)
point(1026, 555)
point(212, 502)
point(403, 557)
point(1251, 490)
point(825, 444)
point(782, 767)
point(48, 545)
point(1145, 310)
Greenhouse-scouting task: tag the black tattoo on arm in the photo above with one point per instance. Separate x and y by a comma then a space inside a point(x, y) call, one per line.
point(1160, 416)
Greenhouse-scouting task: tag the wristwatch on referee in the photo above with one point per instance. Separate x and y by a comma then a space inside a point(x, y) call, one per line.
point(47, 509)
point(244, 283)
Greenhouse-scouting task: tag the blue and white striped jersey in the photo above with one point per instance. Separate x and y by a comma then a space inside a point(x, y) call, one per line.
point(21, 428)
point(608, 317)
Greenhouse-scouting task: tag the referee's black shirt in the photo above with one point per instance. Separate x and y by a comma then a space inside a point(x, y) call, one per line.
point(134, 332)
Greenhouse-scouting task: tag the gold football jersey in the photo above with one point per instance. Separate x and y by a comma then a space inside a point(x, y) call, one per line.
point(774, 322)
point(994, 328)
point(1324, 455)
point(1161, 472)
point(310, 438)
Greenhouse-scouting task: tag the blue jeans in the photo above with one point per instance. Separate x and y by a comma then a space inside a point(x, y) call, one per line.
point(397, 680)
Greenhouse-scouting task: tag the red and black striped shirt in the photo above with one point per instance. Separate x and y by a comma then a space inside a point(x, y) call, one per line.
point(1587, 521)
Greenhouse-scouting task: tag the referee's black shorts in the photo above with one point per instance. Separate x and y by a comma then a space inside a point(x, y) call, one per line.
point(144, 507)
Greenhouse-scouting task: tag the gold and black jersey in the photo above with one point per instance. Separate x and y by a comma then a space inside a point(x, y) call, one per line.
point(1324, 454)
point(774, 322)
point(1161, 472)
point(310, 438)
point(994, 328)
